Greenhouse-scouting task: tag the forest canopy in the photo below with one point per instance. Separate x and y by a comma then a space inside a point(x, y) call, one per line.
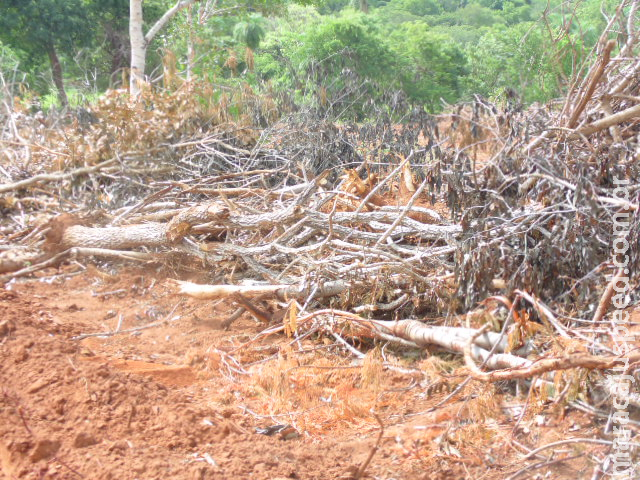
point(343, 58)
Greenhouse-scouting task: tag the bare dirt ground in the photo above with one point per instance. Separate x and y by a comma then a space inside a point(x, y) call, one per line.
point(170, 403)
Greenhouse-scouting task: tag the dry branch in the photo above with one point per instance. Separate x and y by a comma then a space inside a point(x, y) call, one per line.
point(54, 177)
point(544, 365)
point(46, 260)
point(607, 122)
point(593, 78)
point(605, 300)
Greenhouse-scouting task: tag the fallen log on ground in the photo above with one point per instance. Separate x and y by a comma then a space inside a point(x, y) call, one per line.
point(152, 234)
point(453, 339)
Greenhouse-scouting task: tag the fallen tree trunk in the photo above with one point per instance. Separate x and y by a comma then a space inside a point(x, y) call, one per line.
point(153, 234)
point(282, 292)
point(449, 338)
point(453, 339)
point(129, 236)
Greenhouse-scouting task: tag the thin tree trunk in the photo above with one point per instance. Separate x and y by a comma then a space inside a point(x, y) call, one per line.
point(138, 47)
point(119, 51)
point(140, 41)
point(56, 71)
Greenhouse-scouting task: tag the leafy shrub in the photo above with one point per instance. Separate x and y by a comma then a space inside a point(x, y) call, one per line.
point(433, 65)
point(338, 64)
point(516, 58)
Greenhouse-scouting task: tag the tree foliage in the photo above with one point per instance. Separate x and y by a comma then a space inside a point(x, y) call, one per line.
point(338, 63)
point(516, 59)
point(249, 32)
point(41, 27)
point(32, 26)
point(433, 66)
point(335, 55)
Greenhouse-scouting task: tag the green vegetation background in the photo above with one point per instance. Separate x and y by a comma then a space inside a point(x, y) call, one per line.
point(343, 58)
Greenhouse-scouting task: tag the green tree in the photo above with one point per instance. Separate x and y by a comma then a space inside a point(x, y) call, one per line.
point(46, 27)
point(140, 40)
point(249, 32)
point(477, 16)
point(394, 14)
point(433, 66)
point(9, 61)
point(112, 47)
point(519, 58)
point(419, 8)
point(344, 60)
point(332, 6)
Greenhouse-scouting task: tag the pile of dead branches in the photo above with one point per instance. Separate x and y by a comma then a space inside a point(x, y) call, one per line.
point(351, 227)
point(540, 213)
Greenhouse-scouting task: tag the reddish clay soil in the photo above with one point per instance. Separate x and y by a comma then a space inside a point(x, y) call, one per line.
point(183, 400)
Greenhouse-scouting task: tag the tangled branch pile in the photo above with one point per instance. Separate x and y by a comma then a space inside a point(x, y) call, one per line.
point(376, 221)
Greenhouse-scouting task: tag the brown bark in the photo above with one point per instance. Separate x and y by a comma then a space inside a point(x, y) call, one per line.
point(66, 231)
point(56, 72)
point(593, 82)
point(119, 50)
point(130, 236)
